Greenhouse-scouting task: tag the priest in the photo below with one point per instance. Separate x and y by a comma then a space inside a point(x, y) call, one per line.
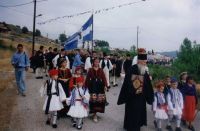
point(136, 91)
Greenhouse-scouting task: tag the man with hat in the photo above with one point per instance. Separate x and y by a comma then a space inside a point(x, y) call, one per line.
point(58, 58)
point(127, 63)
point(107, 66)
point(136, 91)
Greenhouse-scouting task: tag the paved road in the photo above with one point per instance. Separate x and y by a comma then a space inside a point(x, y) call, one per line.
point(28, 115)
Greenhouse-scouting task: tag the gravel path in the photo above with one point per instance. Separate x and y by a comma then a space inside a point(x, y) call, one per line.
point(27, 114)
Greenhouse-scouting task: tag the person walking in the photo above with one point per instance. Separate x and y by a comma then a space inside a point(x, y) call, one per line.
point(20, 62)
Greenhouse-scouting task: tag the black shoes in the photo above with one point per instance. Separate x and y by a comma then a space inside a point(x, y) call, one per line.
point(169, 128)
point(54, 126)
point(191, 128)
point(183, 122)
point(48, 122)
point(155, 124)
point(23, 94)
point(115, 85)
point(74, 123)
point(39, 77)
point(178, 129)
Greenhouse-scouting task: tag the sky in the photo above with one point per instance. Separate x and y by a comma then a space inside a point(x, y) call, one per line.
point(163, 24)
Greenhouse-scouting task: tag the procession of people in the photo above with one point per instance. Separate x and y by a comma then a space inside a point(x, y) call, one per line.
point(76, 85)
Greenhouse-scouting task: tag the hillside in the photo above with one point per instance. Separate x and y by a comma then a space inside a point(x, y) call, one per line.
point(10, 37)
point(172, 54)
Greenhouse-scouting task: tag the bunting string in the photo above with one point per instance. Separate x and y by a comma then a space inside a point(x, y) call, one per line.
point(89, 12)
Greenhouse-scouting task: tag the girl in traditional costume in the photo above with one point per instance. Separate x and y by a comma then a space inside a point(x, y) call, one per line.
point(160, 105)
point(78, 101)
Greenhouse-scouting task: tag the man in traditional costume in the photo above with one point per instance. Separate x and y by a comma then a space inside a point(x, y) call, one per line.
point(89, 60)
point(58, 58)
point(107, 66)
point(136, 91)
point(40, 63)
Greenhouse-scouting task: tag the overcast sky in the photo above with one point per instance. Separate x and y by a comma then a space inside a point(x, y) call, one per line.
point(163, 24)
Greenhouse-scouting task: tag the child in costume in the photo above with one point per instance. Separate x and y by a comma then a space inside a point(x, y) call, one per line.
point(160, 105)
point(55, 95)
point(76, 75)
point(78, 101)
point(175, 105)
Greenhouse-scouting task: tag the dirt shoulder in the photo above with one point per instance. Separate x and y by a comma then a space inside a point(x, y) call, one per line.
point(7, 103)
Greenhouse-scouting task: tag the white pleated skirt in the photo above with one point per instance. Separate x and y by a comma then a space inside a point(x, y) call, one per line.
point(161, 114)
point(78, 110)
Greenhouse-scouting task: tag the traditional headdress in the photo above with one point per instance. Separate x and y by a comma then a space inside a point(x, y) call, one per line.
point(53, 72)
point(80, 80)
point(142, 55)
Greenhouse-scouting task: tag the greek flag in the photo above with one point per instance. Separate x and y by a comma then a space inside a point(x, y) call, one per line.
point(87, 31)
point(85, 34)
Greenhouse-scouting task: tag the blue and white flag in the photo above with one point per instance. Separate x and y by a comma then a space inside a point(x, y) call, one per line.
point(85, 34)
point(72, 41)
point(87, 30)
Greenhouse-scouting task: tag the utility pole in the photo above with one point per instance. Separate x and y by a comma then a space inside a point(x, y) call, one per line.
point(34, 17)
point(137, 36)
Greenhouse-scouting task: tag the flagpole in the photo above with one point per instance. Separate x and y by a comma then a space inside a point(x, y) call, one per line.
point(92, 31)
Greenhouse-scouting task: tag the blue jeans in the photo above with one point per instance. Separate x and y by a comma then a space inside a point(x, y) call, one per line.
point(20, 79)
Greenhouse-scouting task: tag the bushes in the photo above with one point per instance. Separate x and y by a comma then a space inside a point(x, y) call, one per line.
point(188, 60)
point(159, 72)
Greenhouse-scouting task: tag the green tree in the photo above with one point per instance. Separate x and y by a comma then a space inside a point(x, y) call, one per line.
point(133, 48)
point(37, 32)
point(56, 40)
point(24, 30)
point(188, 58)
point(62, 37)
point(101, 43)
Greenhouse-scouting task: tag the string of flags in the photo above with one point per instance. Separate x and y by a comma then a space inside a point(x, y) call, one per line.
point(89, 12)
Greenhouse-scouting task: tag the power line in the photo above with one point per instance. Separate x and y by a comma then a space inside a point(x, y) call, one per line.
point(17, 5)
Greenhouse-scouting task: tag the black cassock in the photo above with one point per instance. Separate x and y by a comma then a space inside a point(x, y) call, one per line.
point(136, 91)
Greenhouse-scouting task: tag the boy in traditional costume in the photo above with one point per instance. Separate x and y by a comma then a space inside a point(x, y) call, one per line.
point(55, 95)
point(175, 105)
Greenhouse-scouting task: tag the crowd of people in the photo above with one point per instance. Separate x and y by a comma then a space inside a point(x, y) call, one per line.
point(84, 77)
point(78, 81)
point(175, 102)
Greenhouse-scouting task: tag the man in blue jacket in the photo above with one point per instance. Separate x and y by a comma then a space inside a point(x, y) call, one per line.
point(20, 62)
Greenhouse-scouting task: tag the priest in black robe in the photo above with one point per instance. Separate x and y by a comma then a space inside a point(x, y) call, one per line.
point(135, 93)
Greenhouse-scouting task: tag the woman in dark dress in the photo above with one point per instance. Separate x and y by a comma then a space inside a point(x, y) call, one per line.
point(96, 83)
point(64, 75)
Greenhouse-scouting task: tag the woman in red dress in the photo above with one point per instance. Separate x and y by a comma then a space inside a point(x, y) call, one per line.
point(96, 83)
point(190, 102)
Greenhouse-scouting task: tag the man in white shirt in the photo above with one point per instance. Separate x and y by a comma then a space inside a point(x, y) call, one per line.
point(60, 56)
